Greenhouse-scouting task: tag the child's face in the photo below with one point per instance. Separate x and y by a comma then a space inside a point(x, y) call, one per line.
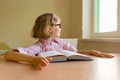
point(56, 29)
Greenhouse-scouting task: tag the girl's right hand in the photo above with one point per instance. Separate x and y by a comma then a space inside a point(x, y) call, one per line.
point(39, 62)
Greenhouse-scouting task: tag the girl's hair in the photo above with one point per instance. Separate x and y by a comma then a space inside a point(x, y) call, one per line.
point(42, 23)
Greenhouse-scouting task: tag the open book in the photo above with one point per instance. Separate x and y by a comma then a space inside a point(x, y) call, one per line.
point(64, 55)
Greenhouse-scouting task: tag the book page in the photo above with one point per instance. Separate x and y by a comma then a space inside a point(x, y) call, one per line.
point(70, 53)
point(75, 56)
point(50, 54)
point(56, 56)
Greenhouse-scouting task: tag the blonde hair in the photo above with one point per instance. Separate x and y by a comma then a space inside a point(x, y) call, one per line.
point(42, 22)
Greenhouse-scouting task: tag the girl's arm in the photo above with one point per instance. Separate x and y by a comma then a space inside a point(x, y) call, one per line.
point(95, 53)
point(36, 61)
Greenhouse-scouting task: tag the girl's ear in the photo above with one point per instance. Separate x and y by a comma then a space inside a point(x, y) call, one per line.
point(50, 29)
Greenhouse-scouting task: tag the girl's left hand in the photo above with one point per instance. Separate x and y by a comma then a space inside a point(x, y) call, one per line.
point(96, 53)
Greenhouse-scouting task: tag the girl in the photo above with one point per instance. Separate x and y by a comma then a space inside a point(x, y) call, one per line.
point(47, 29)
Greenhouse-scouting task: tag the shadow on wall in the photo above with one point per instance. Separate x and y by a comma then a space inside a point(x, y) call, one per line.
point(4, 46)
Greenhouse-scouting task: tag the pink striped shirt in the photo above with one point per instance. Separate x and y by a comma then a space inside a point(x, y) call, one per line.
point(46, 45)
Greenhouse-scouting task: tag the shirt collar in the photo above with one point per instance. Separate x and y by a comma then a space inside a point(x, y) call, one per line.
point(48, 41)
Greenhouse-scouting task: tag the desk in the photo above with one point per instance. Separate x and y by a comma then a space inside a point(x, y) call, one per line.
point(98, 69)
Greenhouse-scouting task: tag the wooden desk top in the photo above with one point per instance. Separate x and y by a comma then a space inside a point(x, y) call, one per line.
point(98, 69)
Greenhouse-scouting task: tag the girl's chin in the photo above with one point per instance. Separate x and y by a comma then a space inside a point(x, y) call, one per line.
point(58, 36)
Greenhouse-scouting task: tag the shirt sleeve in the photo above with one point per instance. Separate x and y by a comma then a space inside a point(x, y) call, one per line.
point(30, 50)
point(68, 46)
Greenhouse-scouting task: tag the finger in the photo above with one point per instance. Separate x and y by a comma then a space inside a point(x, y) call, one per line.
point(39, 61)
point(109, 56)
point(39, 67)
point(49, 58)
point(46, 61)
point(106, 55)
point(43, 61)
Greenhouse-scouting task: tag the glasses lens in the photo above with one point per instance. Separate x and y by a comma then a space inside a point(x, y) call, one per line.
point(58, 25)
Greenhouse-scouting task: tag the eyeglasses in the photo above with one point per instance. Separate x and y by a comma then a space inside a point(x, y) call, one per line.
point(58, 25)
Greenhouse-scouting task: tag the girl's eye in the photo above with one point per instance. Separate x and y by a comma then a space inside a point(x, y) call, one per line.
point(58, 25)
